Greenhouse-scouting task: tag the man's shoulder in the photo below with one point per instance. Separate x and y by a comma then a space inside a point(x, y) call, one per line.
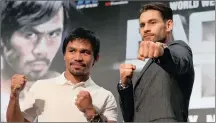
point(105, 92)
point(178, 42)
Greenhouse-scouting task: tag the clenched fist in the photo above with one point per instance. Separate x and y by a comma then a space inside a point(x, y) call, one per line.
point(126, 72)
point(18, 82)
point(84, 101)
point(150, 49)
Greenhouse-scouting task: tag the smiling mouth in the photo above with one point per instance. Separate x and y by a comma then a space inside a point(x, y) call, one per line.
point(78, 65)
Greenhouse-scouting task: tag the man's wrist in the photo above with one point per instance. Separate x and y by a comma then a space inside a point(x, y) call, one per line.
point(163, 47)
point(89, 112)
point(14, 95)
point(92, 115)
point(123, 86)
point(161, 58)
point(96, 118)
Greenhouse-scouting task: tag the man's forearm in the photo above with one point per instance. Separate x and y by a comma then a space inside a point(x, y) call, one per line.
point(14, 113)
point(177, 59)
point(126, 100)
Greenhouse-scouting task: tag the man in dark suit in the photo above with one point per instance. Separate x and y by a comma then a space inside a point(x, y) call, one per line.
point(162, 90)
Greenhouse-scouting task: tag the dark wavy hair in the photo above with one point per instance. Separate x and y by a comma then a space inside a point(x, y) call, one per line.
point(83, 33)
point(18, 14)
point(165, 11)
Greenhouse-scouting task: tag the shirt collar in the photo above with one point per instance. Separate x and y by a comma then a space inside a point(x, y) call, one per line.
point(63, 81)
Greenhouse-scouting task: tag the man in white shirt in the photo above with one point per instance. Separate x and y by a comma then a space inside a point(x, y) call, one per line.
point(70, 97)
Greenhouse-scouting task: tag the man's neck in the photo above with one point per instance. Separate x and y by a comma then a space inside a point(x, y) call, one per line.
point(75, 79)
point(169, 38)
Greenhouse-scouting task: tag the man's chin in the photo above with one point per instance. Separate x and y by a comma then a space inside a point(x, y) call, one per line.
point(34, 76)
point(77, 73)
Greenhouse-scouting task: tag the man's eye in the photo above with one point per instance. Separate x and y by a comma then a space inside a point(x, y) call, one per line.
point(142, 25)
point(71, 51)
point(153, 22)
point(54, 34)
point(30, 36)
point(87, 52)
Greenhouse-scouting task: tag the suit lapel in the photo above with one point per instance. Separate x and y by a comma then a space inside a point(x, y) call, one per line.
point(136, 82)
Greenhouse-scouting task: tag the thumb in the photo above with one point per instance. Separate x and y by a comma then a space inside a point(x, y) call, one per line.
point(134, 67)
point(15, 91)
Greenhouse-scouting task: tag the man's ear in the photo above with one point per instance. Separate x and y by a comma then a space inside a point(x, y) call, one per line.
point(64, 56)
point(169, 25)
point(97, 58)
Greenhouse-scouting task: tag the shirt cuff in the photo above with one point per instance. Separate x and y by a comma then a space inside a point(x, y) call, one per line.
point(121, 86)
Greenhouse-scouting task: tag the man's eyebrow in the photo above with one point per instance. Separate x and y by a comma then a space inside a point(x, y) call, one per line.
point(30, 29)
point(152, 20)
point(148, 21)
point(81, 49)
point(56, 30)
point(142, 23)
point(70, 48)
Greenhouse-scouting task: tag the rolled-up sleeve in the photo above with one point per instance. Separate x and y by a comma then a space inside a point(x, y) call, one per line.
point(110, 110)
point(29, 106)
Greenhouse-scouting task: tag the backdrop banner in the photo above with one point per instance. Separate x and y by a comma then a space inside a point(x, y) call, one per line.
point(116, 23)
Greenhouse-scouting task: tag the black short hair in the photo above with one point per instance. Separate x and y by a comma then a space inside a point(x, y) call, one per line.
point(18, 14)
point(83, 33)
point(165, 11)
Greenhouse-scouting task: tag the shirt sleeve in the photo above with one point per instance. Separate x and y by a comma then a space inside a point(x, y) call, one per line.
point(177, 58)
point(29, 106)
point(110, 112)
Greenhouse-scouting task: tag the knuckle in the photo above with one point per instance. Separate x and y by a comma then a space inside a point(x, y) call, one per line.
point(152, 45)
point(129, 65)
point(145, 55)
point(122, 66)
point(157, 45)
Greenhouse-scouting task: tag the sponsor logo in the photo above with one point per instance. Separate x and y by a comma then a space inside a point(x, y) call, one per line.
point(80, 4)
point(112, 3)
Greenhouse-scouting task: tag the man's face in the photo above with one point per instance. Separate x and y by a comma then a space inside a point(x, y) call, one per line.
point(33, 48)
point(79, 57)
point(152, 26)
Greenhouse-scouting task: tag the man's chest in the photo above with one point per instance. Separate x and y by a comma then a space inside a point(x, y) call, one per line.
point(60, 105)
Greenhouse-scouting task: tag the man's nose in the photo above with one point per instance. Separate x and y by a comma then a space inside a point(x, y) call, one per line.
point(78, 57)
point(41, 48)
point(146, 29)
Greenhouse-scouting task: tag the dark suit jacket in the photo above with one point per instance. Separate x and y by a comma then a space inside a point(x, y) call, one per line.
point(162, 90)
